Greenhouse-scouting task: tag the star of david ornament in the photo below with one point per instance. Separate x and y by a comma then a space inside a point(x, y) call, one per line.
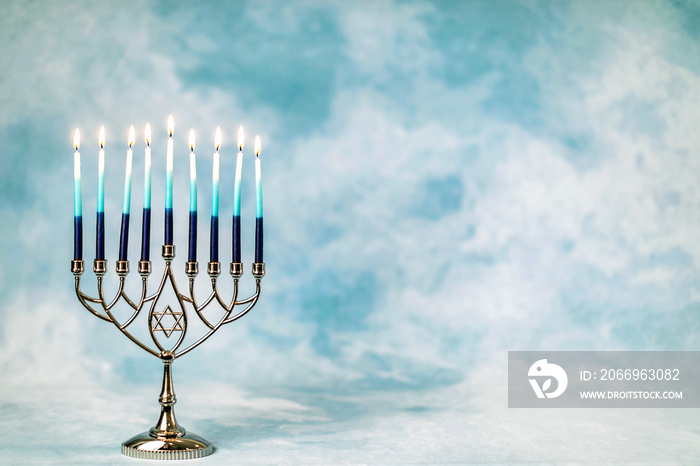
point(171, 318)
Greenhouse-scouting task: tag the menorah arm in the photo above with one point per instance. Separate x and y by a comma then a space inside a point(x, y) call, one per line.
point(198, 308)
point(83, 298)
point(130, 336)
point(122, 328)
point(133, 305)
point(215, 293)
point(206, 335)
point(252, 300)
point(208, 300)
point(137, 308)
point(109, 306)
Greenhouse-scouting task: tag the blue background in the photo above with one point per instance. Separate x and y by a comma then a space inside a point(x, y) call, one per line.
point(444, 182)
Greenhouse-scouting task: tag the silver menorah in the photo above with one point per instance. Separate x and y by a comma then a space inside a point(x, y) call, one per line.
point(166, 440)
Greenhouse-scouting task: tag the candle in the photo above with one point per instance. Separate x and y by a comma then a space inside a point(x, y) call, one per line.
point(126, 209)
point(192, 256)
point(146, 224)
point(77, 201)
point(258, 204)
point(237, 200)
point(169, 185)
point(100, 228)
point(214, 238)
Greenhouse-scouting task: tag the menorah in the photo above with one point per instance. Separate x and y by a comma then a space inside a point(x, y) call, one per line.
point(167, 439)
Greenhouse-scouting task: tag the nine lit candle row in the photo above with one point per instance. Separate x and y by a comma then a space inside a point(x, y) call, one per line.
point(146, 225)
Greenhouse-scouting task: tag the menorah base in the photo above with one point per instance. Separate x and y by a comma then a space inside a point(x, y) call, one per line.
point(150, 447)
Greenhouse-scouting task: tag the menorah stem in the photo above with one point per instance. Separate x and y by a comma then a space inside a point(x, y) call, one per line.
point(167, 425)
point(167, 439)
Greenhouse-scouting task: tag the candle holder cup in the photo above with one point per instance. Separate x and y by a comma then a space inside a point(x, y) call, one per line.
point(167, 440)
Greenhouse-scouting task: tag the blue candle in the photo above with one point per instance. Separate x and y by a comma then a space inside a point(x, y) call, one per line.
point(258, 204)
point(169, 185)
point(126, 209)
point(214, 239)
point(192, 250)
point(146, 224)
point(237, 200)
point(77, 201)
point(100, 224)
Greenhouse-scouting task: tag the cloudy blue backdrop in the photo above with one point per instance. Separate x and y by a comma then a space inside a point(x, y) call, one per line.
point(444, 182)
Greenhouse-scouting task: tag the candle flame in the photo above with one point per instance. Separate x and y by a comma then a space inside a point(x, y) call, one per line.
point(217, 138)
point(148, 134)
point(101, 137)
point(192, 140)
point(240, 138)
point(171, 125)
point(258, 146)
point(132, 137)
point(76, 139)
